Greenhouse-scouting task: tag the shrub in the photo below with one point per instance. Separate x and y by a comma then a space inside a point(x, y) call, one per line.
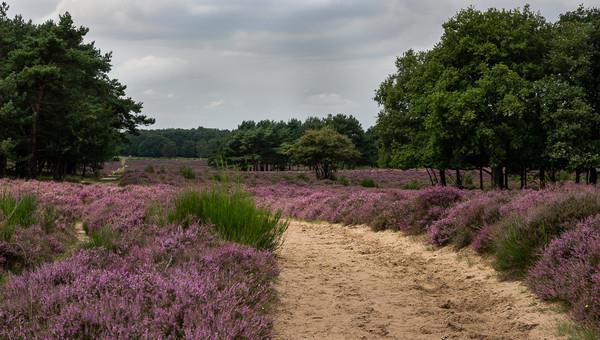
point(464, 220)
point(412, 185)
point(428, 206)
point(569, 271)
point(16, 212)
point(149, 169)
point(368, 183)
point(234, 215)
point(343, 180)
point(187, 172)
point(518, 239)
point(102, 237)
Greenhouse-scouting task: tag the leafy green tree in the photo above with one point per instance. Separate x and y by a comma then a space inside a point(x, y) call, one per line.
point(58, 105)
point(324, 150)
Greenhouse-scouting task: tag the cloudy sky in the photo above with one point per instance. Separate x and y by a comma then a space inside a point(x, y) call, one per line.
point(215, 63)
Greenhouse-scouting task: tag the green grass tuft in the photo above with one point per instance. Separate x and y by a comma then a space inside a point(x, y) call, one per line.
point(187, 172)
point(16, 212)
point(103, 237)
point(234, 215)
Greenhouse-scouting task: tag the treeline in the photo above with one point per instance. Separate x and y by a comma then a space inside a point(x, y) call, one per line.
point(200, 142)
point(503, 90)
point(60, 112)
point(265, 145)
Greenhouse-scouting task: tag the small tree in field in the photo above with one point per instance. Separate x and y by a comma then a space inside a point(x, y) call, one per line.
point(324, 150)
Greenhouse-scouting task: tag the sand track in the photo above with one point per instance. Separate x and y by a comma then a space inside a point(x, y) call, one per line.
point(342, 282)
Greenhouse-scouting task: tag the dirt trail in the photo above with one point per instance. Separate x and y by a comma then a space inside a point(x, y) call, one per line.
point(341, 282)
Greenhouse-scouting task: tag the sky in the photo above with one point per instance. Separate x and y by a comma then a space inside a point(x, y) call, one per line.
point(215, 63)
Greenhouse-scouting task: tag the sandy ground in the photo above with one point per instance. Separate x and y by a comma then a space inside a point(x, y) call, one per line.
point(342, 282)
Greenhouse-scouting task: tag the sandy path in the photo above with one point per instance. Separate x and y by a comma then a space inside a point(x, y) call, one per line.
point(351, 283)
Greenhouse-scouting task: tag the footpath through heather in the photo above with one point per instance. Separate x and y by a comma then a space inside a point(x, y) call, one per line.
point(341, 282)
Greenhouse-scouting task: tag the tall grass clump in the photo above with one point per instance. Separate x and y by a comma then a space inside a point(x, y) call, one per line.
point(187, 172)
point(16, 211)
point(234, 215)
point(519, 238)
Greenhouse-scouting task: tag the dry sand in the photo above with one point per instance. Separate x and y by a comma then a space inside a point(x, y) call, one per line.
point(341, 282)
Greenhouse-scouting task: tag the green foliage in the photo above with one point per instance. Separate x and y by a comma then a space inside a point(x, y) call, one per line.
point(502, 89)
point(49, 217)
point(572, 331)
point(265, 145)
point(343, 180)
point(368, 183)
point(155, 214)
point(16, 211)
point(102, 237)
point(187, 173)
point(518, 241)
point(149, 169)
point(44, 127)
point(234, 215)
point(324, 150)
point(412, 185)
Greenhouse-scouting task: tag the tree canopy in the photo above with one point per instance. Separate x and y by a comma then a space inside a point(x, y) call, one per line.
point(60, 112)
point(324, 150)
point(502, 89)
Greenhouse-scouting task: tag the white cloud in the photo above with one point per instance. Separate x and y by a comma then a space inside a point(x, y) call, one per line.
point(214, 104)
point(327, 99)
point(151, 67)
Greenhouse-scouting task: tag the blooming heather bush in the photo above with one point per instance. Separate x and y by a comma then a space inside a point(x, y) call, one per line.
point(518, 238)
point(465, 220)
point(175, 284)
point(569, 270)
point(428, 206)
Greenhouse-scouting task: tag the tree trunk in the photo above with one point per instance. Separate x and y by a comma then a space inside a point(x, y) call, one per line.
point(553, 176)
point(593, 176)
point(542, 178)
point(480, 178)
point(577, 176)
point(523, 175)
point(506, 178)
point(443, 177)
point(458, 179)
point(497, 177)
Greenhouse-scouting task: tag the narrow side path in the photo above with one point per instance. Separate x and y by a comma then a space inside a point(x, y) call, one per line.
point(342, 282)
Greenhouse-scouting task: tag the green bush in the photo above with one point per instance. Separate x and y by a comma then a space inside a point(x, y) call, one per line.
point(344, 181)
point(412, 185)
point(187, 172)
point(368, 183)
point(16, 212)
point(149, 169)
point(519, 239)
point(234, 215)
point(103, 237)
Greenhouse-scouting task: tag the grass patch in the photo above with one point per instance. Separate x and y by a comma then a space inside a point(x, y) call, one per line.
point(187, 172)
point(412, 185)
point(343, 180)
point(368, 183)
point(234, 215)
point(572, 331)
point(16, 212)
point(102, 237)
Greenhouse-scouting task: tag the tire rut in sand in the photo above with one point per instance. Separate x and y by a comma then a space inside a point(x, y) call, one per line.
point(342, 282)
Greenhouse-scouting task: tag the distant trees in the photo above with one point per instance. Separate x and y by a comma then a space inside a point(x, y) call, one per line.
point(265, 145)
point(502, 90)
point(59, 111)
point(200, 142)
point(324, 150)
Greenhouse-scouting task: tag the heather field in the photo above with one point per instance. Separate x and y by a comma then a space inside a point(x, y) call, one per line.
point(144, 267)
point(130, 275)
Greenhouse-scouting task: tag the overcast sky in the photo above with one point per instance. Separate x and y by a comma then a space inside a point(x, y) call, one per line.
point(214, 63)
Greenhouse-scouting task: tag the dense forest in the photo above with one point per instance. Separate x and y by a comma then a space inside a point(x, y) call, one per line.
point(503, 90)
point(259, 146)
point(200, 142)
point(60, 112)
point(266, 145)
